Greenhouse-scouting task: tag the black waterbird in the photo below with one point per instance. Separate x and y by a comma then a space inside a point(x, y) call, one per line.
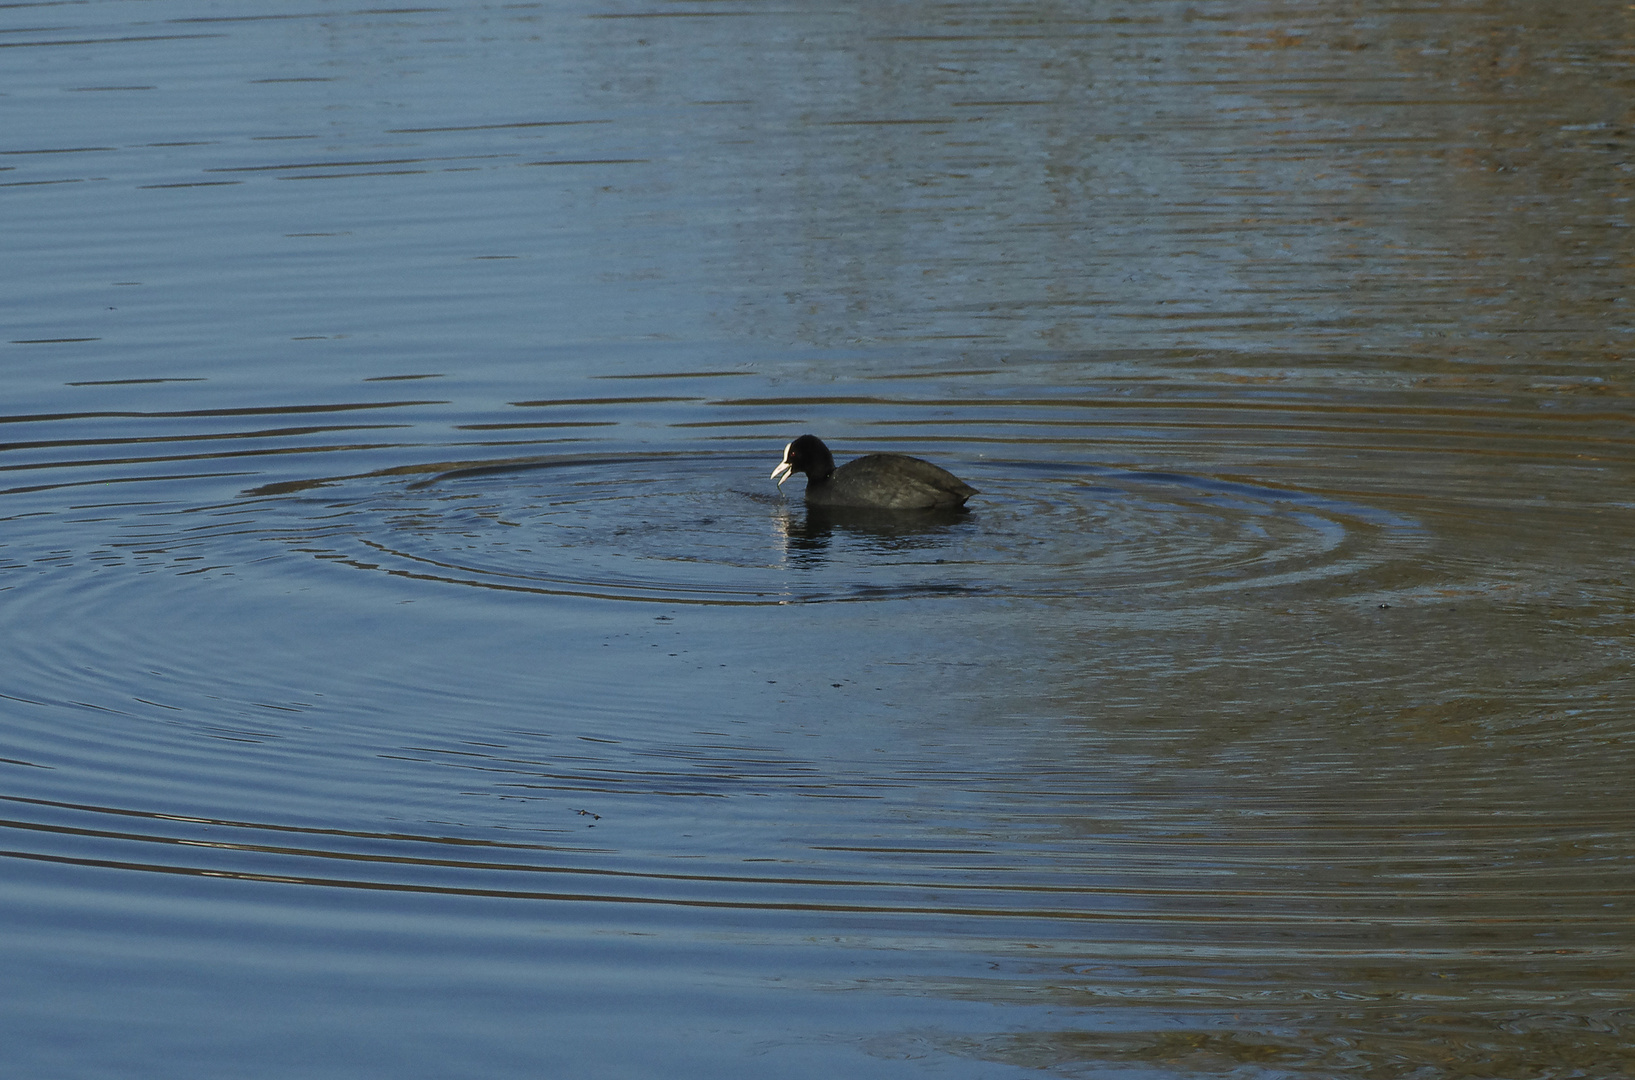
point(876, 481)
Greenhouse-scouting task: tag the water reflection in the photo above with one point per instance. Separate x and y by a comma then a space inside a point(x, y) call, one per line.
point(1184, 176)
point(809, 531)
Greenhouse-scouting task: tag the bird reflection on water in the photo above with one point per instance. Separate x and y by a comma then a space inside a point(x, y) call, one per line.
point(809, 533)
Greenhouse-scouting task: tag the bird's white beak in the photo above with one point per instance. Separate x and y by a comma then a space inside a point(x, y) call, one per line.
point(782, 473)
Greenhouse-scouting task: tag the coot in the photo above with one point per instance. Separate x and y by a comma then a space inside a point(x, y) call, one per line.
point(878, 481)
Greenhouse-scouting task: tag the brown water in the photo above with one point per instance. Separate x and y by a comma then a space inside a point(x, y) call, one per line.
point(412, 671)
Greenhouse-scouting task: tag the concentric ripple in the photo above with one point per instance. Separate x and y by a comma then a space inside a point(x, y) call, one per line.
point(710, 529)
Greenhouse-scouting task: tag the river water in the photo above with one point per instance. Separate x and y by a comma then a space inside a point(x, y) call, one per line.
point(411, 670)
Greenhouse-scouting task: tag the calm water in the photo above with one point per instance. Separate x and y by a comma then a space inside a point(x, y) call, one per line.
point(411, 671)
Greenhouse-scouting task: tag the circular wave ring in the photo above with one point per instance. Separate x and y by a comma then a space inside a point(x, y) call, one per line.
point(711, 529)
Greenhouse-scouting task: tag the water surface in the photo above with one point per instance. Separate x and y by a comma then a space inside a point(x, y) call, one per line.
point(412, 671)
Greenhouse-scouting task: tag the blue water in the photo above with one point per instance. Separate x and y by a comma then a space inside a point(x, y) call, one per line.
point(413, 671)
